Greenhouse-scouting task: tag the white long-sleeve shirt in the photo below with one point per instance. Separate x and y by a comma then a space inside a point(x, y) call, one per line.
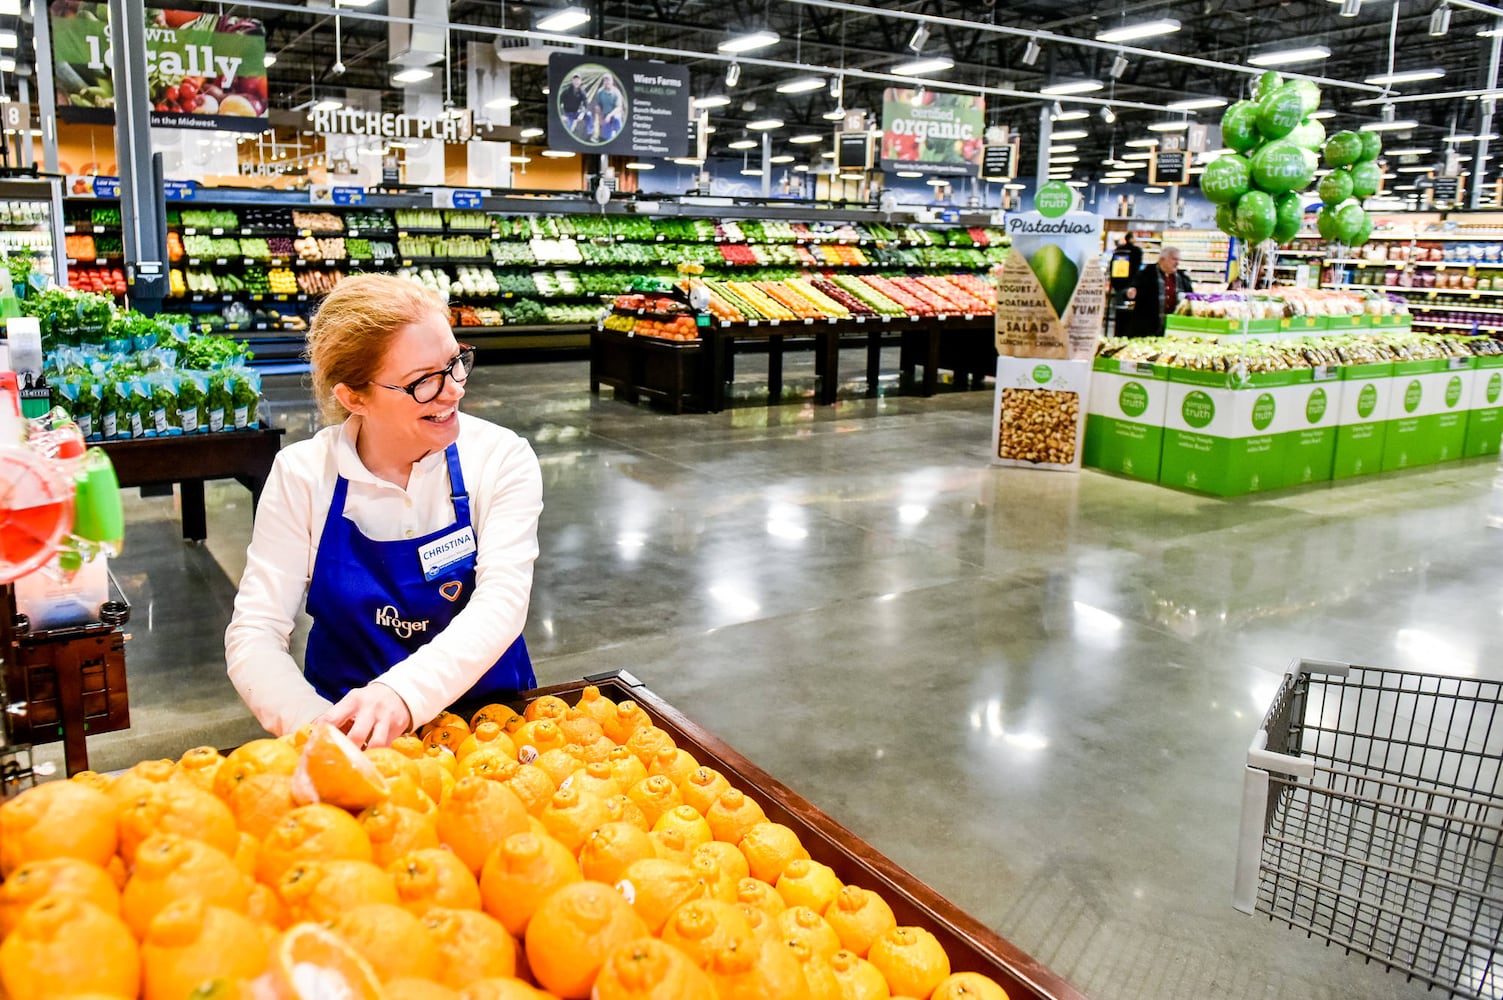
point(506, 497)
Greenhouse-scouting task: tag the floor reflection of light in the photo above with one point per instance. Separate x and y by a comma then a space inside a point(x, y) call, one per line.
point(732, 598)
point(1096, 623)
point(888, 597)
point(988, 717)
point(1440, 655)
point(1026, 741)
point(631, 542)
point(786, 530)
point(548, 625)
point(912, 513)
point(785, 521)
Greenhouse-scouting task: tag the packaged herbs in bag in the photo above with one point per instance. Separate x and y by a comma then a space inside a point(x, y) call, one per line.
point(138, 403)
point(164, 412)
point(192, 401)
point(217, 402)
point(245, 392)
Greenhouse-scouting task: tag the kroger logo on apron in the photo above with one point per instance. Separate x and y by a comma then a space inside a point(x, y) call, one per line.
point(390, 617)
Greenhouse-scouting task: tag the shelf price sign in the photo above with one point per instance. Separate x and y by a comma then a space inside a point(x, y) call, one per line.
point(1170, 166)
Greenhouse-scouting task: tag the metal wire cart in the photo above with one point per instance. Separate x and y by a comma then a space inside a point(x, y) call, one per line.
point(1371, 818)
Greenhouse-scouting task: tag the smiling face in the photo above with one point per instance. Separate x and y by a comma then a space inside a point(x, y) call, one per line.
point(403, 429)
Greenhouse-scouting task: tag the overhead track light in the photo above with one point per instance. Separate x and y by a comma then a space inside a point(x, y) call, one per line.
point(1440, 20)
point(1108, 115)
point(1133, 32)
point(733, 74)
point(920, 38)
point(1032, 52)
point(1119, 66)
point(1351, 8)
point(834, 115)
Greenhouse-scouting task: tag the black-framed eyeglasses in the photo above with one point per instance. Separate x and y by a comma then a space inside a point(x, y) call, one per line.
point(425, 388)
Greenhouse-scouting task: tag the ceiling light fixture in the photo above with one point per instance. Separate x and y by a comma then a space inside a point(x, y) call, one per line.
point(920, 38)
point(806, 139)
point(802, 168)
point(1065, 87)
point(270, 60)
point(1153, 190)
point(7, 65)
point(1410, 151)
point(1168, 126)
point(1197, 104)
point(639, 165)
point(744, 144)
point(531, 133)
point(566, 19)
point(1398, 125)
point(1064, 159)
point(687, 161)
point(1077, 184)
point(713, 101)
point(328, 104)
point(923, 67)
point(1470, 138)
point(9, 40)
point(1406, 76)
point(751, 172)
point(782, 158)
point(1064, 135)
point(1323, 114)
point(749, 41)
point(733, 74)
point(834, 115)
point(765, 124)
point(910, 174)
point(1063, 149)
point(1143, 29)
point(1108, 115)
point(801, 85)
point(1440, 20)
point(1286, 57)
point(1031, 52)
point(414, 75)
point(557, 154)
point(1141, 143)
point(827, 155)
point(1119, 66)
point(1351, 8)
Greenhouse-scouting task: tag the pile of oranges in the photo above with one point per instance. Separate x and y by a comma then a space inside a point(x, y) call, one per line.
point(574, 852)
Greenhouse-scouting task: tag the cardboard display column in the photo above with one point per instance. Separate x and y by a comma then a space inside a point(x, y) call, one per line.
point(1051, 300)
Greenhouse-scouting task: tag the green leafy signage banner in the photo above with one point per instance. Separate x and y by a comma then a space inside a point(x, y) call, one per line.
point(932, 133)
point(204, 71)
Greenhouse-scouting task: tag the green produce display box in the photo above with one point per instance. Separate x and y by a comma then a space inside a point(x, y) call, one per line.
point(1230, 441)
point(1310, 446)
point(1427, 412)
point(1210, 324)
point(1484, 424)
point(1125, 418)
point(1302, 326)
point(1362, 420)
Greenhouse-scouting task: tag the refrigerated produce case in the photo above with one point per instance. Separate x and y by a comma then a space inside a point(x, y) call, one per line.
point(31, 214)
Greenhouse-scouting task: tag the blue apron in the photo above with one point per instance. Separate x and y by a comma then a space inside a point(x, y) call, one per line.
point(372, 604)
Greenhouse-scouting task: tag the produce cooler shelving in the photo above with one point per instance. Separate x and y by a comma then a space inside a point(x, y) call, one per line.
point(31, 214)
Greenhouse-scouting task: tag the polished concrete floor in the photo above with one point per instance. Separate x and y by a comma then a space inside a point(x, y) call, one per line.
point(1033, 690)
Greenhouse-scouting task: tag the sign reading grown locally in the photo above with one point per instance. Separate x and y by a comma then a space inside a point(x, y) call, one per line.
point(932, 133)
point(204, 71)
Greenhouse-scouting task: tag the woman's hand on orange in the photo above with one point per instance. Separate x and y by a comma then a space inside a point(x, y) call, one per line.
point(371, 716)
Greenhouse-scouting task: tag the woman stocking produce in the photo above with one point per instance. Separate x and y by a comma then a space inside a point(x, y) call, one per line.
point(411, 528)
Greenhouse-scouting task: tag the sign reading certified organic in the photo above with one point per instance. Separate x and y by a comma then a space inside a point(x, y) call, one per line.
point(346, 121)
point(1051, 291)
point(203, 71)
point(932, 133)
point(616, 106)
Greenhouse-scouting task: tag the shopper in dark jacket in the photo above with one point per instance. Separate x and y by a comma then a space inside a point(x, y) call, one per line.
point(1156, 292)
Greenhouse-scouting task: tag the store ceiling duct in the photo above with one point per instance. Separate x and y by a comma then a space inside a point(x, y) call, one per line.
point(531, 51)
point(422, 42)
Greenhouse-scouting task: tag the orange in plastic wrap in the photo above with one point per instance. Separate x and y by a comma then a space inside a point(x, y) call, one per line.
point(610, 848)
point(58, 819)
point(200, 766)
point(391, 940)
point(859, 916)
point(55, 877)
point(594, 705)
point(968, 986)
point(486, 735)
point(655, 888)
point(182, 809)
point(333, 770)
point(684, 819)
point(570, 817)
point(674, 764)
point(396, 830)
point(597, 778)
point(546, 707)
point(858, 978)
point(624, 810)
point(573, 932)
point(557, 762)
point(755, 892)
point(647, 742)
point(434, 877)
point(627, 718)
point(520, 873)
point(311, 833)
point(768, 848)
point(170, 868)
point(471, 946)
point(479, 815)
point(911, 960)
point(733, 816)
point(259, 801)
point(536, 738)
point(312, 963)
point(647, 969)
point(808, 883)
point(702, 928)
point(655, 796)
point(322, 890)
point(702, 787)
point(799, 923)
point(265, 756)
point(64, 944)
point(189, 942)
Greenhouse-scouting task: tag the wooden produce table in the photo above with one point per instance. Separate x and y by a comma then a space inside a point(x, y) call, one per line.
point(189, 459)
point(971, 946)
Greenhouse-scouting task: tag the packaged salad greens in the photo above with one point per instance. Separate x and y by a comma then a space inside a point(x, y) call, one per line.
point(192, 401)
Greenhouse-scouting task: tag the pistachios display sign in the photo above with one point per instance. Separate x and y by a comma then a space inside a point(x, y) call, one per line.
point(1051, 292)
point(933, 133)
point(204, 71)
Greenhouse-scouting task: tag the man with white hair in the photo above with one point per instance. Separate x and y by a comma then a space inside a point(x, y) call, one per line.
point(1156, 293)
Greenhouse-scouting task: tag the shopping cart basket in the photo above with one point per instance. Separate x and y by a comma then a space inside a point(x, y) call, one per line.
point(1371, 817)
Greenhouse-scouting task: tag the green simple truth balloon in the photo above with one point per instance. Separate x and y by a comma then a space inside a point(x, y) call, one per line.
point(1372, 145)
point(1363, 234)
point(1343, 148)
point(1267, 84)
point(1349, 219)
point(1335, 187)
point(1281, 166)
point(1326, 223)
point(1239, 126)
point(1309, 93)
point(1289, 214)
point(1308, 134)
point(1280, 112)
point(1366, 177)
point(1226, 179)
point(1256, 216)
point(1226, 219)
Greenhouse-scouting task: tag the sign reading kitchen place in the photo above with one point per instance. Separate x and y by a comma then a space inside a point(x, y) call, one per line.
point(203, 71)
point(616, 106)
point(445, 127)
point(932, 133)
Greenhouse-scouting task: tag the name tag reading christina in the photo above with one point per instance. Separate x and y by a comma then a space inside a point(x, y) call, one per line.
point(444, 552)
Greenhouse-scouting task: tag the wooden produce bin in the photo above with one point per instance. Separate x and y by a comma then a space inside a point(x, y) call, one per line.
point(971, 946)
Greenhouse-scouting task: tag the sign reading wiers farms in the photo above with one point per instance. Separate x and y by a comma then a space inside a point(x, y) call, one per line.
point(932, 133)
point(616, 106)
point(204, 71)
